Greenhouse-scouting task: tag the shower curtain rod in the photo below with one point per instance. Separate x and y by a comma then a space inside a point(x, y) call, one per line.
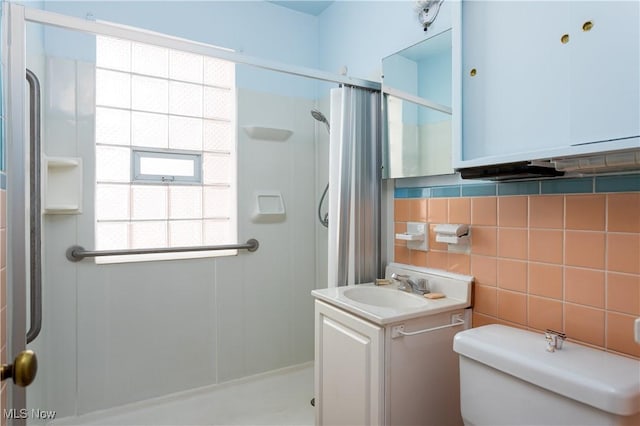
point(158, 39)
point(77, 253)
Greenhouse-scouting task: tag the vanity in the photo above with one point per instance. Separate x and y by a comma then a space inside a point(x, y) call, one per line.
point(384, 356)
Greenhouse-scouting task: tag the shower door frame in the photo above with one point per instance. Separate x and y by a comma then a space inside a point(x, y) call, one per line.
point(16, 17)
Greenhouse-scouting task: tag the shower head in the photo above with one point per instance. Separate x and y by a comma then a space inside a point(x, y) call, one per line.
point(317, 115)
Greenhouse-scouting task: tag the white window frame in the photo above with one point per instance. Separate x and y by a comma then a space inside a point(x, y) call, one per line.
point(137, 155)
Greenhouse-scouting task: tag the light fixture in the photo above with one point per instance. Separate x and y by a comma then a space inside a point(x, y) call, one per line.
point(428, 11)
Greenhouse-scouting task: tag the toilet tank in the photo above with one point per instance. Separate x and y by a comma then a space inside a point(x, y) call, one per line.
point(508, 377)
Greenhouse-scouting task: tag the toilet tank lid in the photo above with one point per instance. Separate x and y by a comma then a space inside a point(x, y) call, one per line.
point(600, 379)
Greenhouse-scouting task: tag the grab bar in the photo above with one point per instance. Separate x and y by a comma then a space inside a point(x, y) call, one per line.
point(77, 253)
point(398, 330)
point(35, 214)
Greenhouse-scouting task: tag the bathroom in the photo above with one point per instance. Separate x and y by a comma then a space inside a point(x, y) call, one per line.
point(120, 334)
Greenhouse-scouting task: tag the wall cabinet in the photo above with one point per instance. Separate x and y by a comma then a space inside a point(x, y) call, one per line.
point(547, 79)
point(364, 376)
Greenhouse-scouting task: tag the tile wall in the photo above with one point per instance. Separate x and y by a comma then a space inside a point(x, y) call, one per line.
point(541, 258)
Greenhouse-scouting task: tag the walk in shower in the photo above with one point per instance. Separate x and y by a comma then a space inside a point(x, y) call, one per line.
point(245, 160)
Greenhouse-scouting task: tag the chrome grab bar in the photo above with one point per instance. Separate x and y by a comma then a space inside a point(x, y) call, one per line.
point(35, 213)
point(77, 253)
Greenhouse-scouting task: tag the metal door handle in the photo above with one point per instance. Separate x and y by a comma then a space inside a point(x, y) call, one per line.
point(23, 370)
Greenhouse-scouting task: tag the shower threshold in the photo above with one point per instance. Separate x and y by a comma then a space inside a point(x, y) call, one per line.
point(278, 397)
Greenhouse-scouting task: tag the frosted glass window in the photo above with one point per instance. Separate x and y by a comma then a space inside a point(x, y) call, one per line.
point(218, 103)
point(149, 94)
point(218, 72)
point(185, 233)
point(216, 169)
point(185, 66)
point(150, 60)
point(113, 164)
point(185, 99)
point(113, 126)
point(112, 235)
point(113, 89)
point(112, 202)
point(185, 133)
point(148, 202)
point(165, 149)
point(217, 202)
point(185, 202)
point(218, 136)
point(149, 234)
point(150, 130)
point(113, 53)
point(216, 232)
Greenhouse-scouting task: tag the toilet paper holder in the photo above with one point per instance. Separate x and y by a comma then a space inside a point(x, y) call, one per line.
point(451, 233)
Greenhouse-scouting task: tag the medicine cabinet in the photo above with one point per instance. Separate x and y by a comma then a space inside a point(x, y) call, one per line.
point(416, 88)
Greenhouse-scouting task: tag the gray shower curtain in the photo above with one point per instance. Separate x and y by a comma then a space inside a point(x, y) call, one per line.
point(356, 225)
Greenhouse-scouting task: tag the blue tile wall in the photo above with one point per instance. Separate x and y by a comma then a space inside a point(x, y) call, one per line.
point(588, 185)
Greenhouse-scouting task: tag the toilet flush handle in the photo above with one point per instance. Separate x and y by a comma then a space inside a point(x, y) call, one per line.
point(554, 339)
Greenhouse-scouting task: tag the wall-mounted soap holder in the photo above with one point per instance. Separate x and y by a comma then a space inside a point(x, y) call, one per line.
point(417, 237)
point(269, 207)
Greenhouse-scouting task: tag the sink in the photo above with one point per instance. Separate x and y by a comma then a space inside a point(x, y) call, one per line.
point(383, 297)
point(384, 305)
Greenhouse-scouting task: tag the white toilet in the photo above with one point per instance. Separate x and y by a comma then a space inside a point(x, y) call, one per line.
point(509, 376)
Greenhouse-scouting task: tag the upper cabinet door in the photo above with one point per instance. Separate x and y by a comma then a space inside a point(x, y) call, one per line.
point(514, 69)
point(545, 79)
point(605, 70)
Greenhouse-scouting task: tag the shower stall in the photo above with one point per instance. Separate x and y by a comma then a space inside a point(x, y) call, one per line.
point(120, 107)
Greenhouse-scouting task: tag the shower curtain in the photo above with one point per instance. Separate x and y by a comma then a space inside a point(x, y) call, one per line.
point(354, 186)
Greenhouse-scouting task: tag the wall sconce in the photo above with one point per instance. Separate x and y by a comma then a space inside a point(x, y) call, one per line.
point(428, 11)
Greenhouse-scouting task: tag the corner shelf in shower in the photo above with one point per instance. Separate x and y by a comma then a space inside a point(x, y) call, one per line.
point(62, 186)
point(267, 133)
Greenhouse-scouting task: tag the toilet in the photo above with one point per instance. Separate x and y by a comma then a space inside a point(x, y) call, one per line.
point(510, 376)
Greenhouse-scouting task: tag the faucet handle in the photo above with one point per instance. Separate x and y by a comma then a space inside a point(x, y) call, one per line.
point(399, 277)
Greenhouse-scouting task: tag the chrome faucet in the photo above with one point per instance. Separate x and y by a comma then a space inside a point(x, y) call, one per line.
point(418, 286)
point(554, 339)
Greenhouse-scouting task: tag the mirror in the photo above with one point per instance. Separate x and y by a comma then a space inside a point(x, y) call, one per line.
point(416, 87)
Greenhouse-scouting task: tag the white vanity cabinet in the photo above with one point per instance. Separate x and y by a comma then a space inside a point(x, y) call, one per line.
point(366, 376)
point(547, 79)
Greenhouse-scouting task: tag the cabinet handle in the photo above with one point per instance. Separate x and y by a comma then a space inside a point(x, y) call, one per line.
point(564, 39)
point(473, 72)
point(587, 26)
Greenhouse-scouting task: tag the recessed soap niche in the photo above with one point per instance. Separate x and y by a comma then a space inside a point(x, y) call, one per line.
point(62, 185)
point(269, 207)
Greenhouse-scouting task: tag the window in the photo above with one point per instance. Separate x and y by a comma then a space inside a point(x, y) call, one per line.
point(165, 149)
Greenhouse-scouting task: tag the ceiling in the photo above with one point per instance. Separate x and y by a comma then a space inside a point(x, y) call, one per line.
point(309, 7)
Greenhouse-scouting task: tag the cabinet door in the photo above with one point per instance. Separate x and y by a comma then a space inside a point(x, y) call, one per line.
point(348, 363)
point(514, 71)
point(605, 70)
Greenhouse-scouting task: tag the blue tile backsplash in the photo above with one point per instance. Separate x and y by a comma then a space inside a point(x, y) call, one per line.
point(587, 185)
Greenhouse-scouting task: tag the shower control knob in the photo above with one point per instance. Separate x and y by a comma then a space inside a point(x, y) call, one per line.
point(23, 370)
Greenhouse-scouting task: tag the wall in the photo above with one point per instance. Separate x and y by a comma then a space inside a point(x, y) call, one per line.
point(358, 34)
point(559, 254)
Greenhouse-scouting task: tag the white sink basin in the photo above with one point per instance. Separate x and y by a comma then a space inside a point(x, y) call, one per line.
point(383, 297)
point(388, 305)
